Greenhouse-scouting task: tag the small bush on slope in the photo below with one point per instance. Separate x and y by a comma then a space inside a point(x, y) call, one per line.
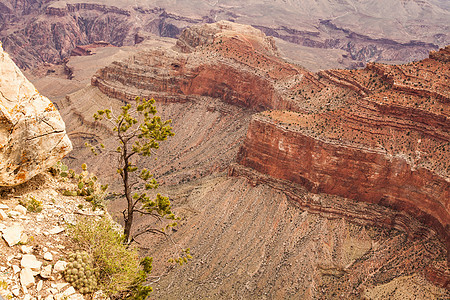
point(120, 271)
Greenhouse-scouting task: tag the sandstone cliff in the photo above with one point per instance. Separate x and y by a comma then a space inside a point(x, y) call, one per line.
point(32, 133)
point(233, 62)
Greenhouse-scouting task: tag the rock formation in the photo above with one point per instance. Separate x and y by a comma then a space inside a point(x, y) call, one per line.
point(369, 146)
point(352, 32)
point(388, 145)
point(88, 49)
point(236, 63)
point(32, 133)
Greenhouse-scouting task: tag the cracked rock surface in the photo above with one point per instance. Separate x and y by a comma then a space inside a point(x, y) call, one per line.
point(32, 133)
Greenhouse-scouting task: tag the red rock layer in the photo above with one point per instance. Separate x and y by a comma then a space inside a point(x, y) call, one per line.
point(379, 135)
point(352, 172)
point(389, 145)
point(85, 50)
point(235, 63)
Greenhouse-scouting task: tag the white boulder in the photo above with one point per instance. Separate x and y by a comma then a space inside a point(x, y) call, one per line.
point(26, 278)
point(30, 261)
point(46, 271)
point(13, 234)
point(60, 266)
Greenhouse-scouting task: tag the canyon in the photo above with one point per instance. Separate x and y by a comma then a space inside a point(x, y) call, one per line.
point(341, 34)
point(344, 172)
point(293, 178)
point(387, 147)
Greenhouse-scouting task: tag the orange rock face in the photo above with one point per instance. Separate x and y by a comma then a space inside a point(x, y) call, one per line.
point(355, 173)
point(235, 63)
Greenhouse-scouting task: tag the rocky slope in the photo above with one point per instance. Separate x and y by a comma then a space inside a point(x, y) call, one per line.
point(40, 31)
point(34, 245)
point(253, 241)
point(354, 134)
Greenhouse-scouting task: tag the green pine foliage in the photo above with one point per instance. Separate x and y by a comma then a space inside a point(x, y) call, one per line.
point(138, 132)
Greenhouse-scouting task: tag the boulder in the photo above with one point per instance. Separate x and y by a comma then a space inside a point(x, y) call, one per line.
point(26, 278)
point(46, 271)
point(21, 209)
point(29, 261)
point(13, 234)
point(32, 133)
point(26, 249)
point(60, 266)
point(48, 256)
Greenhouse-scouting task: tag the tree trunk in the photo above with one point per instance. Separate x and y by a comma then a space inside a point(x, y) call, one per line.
point(129, 212)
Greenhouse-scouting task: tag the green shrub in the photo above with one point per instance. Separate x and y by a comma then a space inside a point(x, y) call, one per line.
point(62, 170)
point(89, 188)
point(118, 267)
point(31, 204)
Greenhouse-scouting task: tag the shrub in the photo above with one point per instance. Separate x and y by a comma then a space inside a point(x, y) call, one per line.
point(31, 204)
point(89, 188)
point(81, 273)
point(120, 272)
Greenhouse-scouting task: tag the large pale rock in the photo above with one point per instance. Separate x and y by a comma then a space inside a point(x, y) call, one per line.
point(32, 133)
point(48, 256)
point(29, 261)
point(26, 249)
point(21, 209)
point(60, 266)
point(46, 271)
point(13, 234)
point(26, 278)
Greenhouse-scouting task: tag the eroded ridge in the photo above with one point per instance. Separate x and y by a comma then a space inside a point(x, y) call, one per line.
point(233, 62)
point(379, 134)
point(387, 144)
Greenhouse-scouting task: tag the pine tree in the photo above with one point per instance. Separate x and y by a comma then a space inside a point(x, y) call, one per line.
point(138, 132)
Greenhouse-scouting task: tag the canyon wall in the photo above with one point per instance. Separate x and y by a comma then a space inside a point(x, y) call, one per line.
point(46, 31)
point(338, 143)
point(387, 146)
point(222, 65)
point(352, 133)
point(352, 172)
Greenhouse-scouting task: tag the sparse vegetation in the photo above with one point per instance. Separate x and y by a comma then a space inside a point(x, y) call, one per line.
point(31, 204)
point(88, 187)
point(117, 267)
point(138, 132)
